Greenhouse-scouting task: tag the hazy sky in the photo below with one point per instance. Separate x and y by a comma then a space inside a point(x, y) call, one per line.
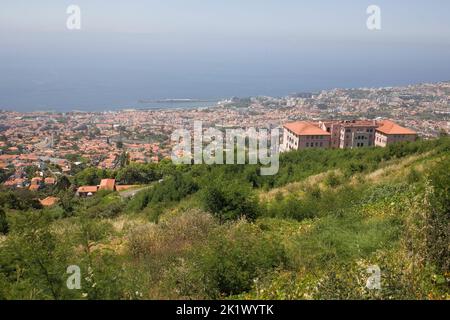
point(410, 19)
point(134, 49)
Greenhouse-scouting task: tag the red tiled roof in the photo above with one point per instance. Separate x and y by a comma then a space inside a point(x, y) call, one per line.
point(49, 180)
point(49, 201)
point(107, 184)
point(87, 189)
point(34, 187)
point(390, 127)
point(10, 183)
point(8, 157)
point(36, 180)
point(304, 128)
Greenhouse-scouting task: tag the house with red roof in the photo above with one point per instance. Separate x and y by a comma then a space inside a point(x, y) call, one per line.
point(107, 184)
point(87, 191)
point(49, 201)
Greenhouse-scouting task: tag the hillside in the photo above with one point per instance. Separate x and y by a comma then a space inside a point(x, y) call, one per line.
point(224, 232)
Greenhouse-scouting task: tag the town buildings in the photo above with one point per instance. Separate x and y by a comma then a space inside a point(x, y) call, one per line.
point(56, 144)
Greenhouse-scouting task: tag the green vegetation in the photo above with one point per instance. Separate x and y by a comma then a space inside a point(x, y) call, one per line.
point(224, 232)
point(4, 227)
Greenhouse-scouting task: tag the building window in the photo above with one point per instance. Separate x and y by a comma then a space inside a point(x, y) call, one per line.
point(307, 144)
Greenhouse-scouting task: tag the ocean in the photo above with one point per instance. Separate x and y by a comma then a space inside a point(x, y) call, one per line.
point(96, 73)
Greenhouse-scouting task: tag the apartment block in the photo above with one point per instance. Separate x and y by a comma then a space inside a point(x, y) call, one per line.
point(344, 134)
point(302, 135)
point(389, 132)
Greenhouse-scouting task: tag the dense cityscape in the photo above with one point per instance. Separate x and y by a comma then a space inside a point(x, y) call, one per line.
point(101, 138)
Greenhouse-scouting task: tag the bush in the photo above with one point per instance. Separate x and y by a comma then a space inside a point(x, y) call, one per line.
point(19, 200)
point(227, 264)
point(333, 180)
point(237, 256)
point(230, 201)
point(33, 259)
point(106, 210)
point(171, 237)
point(4, 227)
point(172, 189)
point(438, 219)
point(413, 176)
point(292, 208)
point(138, 174)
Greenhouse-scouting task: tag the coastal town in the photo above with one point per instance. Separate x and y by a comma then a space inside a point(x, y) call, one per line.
point(55, 143)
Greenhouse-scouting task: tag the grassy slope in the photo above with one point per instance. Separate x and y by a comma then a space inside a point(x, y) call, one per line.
point(355, 234)
point(363, 220)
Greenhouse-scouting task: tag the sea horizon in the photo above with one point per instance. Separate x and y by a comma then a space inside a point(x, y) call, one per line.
point(180, 102)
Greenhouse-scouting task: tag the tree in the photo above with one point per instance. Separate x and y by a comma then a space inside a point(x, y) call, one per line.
point(5, 174)
point(63, 183)
point(4, 227)
point(31, 171)
point(91, 176)
point(124, 159)
point(21, 199)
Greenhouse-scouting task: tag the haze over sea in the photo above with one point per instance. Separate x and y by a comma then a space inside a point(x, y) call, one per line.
point(211, 50)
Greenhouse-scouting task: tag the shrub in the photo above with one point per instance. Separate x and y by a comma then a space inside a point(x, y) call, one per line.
point(333, 180)
point(34, 259)
point(172, 189)
point(292, 208)
point(170, 237)
point(21, 199)
point(438, 219)
point(106, 210)
point(236, 256)
point(230, 201)
point(4, 227)
point(413, 176)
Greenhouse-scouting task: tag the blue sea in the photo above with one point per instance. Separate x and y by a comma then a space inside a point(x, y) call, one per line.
point(104, 72)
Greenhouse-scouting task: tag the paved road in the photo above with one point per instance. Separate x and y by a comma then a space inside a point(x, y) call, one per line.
point(131, 193)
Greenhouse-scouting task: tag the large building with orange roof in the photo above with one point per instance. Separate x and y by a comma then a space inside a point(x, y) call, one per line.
point(303, 134)
point(389, 132)
point(347, 134)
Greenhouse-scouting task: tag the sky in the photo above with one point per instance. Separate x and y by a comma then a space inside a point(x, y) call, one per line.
point(129, 50)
